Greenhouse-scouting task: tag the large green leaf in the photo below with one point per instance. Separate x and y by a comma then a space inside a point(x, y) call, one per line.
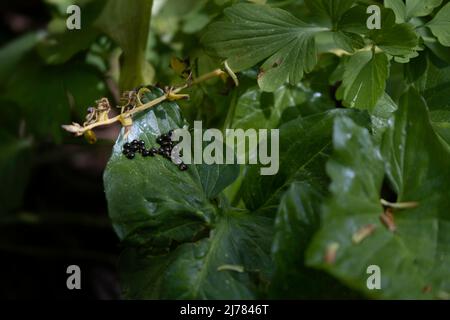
point(181, 238)
point(254, 33)
point(150, 200)
point(304, 149)
point(364, 79)
point(232, 263)
point(298, 218)
point(440, 25)
point(414, 257)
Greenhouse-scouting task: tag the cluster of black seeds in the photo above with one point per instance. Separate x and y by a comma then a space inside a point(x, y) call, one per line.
point(165, 149)
point(137, 146)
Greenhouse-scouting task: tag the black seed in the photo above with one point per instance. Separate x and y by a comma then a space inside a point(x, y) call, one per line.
point(127, 145)
point(167, 148)
point(167, 143)
point(159, 140)
point(165, 137)
point(170, 133)
point(135, 142)
point(145, 153)
point(125, 151)
point(142, 143)
point(153, 151)
point(182, 166)
point(160, 151)
point(133, 148)
point(130, 155)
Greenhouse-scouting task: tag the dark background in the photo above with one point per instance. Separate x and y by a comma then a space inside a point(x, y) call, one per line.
point(63, 219)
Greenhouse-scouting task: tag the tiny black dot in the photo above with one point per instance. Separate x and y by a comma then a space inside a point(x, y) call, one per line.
point(182, 166)
point(130, 155)
point(153, 151)
point(167, 143)
point(145, 153)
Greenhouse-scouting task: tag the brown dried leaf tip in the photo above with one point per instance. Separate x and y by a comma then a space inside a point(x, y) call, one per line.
point(73, 128)
point(331, 251)
point(387, 218)
point(363, 233)
point(427, 289)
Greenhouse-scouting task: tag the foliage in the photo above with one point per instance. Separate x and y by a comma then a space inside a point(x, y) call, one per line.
point(364, 122)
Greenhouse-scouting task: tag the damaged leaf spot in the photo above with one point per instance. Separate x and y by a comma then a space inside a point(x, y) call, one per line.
point(363, 233)
point(330, 254)
point(387, 218)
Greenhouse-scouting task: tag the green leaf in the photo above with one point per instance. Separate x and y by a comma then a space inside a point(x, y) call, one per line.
point(128, 23)
point(252, 33)
point(355, 20)
point(416, 68)
point(395, 39)
point(412, 8)
point(13, 52)
point(333, 10)
point(298, 218)
point(399, 8)
point(150, 200)
point(440, 25)
point(421, 8)
point(179, 242)
point(438, 50)
point(229, 264)
point(364, 79)
point(348, 41)
point(62, 44)
point(381, 114)
point(258, 109)
point(46, 94)
point(433, 85)
point(304, 146)
point(440, 119)
point(417, 164)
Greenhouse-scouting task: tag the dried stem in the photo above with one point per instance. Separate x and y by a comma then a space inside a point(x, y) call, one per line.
point(170, 94)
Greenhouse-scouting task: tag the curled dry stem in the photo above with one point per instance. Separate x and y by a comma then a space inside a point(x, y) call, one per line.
point(98, 116)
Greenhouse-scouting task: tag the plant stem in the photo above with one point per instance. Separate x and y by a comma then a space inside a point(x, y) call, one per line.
point(167, 96)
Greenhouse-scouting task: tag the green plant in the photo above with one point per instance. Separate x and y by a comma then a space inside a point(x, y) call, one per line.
point(364, 174)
